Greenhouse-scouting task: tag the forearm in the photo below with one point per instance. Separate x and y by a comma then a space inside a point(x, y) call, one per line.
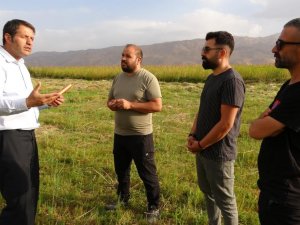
point(194, 126)
point(154, 105)
point(217, 133)
point(145, 107)
point(265, 127)
point(219, 130)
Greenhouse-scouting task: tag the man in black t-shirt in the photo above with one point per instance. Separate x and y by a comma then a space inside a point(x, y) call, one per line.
point(279, 127)
point(215, 128)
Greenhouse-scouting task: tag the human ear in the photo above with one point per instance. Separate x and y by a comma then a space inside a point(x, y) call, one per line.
point(7, 37)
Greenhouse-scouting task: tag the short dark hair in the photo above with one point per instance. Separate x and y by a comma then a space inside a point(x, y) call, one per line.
point(293, 23)
point(12, 26)
point(138, 50)
point(222, 38)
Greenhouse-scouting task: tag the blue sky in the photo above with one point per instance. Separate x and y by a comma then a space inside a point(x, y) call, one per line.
point(66, 25)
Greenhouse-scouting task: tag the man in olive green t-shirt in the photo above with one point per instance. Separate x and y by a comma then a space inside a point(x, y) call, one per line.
point(135, 94)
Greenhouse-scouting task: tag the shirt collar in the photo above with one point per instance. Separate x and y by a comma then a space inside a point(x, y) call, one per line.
point(8, 57)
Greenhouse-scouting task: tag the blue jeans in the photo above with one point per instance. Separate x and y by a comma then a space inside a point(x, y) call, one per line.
point(216, 181)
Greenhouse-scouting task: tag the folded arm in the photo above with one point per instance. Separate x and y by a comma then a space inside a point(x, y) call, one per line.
point(265, 126)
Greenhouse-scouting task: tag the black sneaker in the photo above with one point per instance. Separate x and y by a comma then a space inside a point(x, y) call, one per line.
point(152, 215)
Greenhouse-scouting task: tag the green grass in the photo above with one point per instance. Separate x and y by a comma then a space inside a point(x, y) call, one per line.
point(77, 173)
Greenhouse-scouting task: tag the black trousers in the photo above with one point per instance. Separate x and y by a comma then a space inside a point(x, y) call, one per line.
point(140, 149)
point(273, 212)
point(19, 177)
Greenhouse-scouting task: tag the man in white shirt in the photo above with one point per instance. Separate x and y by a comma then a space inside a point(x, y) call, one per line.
point(19, 111)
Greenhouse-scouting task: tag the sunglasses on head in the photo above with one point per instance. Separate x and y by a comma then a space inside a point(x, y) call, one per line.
point(280, 43)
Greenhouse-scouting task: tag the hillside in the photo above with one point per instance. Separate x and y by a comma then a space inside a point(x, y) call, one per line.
point(248, 50)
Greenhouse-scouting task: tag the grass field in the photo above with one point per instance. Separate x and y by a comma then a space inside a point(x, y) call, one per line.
point(77, 173)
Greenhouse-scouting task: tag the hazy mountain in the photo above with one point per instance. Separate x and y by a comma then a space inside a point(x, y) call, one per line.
point(248, 50)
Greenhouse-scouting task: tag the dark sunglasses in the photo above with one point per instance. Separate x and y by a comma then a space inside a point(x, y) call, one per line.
point(280, 43)
point(206, 49)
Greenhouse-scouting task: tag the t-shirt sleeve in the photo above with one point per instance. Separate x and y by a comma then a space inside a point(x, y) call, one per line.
point(288, 111)
point(153, 90)
point(233, 92)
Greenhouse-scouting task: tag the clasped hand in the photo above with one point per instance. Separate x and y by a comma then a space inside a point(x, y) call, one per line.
point(117, 104)
point(192, 145)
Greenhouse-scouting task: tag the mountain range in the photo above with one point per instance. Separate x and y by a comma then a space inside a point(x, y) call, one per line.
point(248, 50)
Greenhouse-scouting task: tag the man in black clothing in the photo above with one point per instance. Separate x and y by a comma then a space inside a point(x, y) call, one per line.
point(279, 127)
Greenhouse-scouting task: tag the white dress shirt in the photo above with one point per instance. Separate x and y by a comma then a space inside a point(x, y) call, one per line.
point(15, 87)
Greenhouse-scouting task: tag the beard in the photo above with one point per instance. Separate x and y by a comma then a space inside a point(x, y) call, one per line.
point(280, 63)
point(127, 68)
point(209, 64)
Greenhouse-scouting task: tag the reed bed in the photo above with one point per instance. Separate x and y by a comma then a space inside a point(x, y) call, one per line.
point(166, 73)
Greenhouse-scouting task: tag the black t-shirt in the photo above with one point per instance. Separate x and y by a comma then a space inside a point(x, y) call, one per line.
point(227, 88)
point(279, 156)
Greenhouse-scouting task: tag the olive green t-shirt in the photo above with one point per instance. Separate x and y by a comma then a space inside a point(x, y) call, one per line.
point(141, 87)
